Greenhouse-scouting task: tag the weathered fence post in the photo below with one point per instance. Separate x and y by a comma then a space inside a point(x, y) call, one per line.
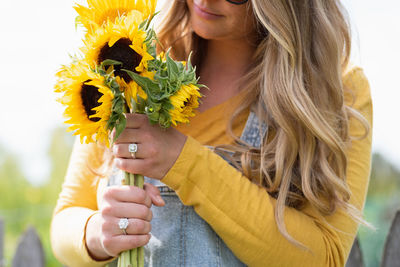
point(29, 251)
point(355, 258)
point(391, 253)
point(2, 261)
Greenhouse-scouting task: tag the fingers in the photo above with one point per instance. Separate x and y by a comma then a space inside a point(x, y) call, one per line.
point(128, 242)
point(122, 151)
point(134, 120)
point(138, 227)
point(125, 193)
point(134, 165)
point(133, 123)
point(130, 136)
point(126, 202)
point(135, 227)
point(154, 194)
point(128, 210)
point(115, 244)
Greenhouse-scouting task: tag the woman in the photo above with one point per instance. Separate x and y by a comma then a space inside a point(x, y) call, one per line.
point(292, 191)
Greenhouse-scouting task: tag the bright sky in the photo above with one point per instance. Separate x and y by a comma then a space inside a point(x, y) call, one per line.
point(37, 36)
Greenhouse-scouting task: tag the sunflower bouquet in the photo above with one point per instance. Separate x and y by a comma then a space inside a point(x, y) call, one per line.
point(119, 72)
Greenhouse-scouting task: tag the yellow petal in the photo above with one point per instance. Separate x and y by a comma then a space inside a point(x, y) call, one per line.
point(113, 40)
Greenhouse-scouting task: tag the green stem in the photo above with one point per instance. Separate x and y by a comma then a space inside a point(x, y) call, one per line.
point(134, 255)
point(131, 179)
point(139, 180)
point(127, 179)
point(141, 257)
point(124, 259)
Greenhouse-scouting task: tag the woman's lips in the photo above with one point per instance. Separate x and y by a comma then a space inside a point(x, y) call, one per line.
point(204, 13)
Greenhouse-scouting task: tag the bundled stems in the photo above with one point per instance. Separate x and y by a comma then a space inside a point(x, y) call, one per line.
point(133, 257)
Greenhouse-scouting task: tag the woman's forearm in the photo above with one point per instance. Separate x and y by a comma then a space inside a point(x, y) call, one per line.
point(242, 214)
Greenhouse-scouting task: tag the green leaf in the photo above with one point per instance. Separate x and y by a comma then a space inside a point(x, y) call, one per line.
point(141, 105)
point(118, 105)
point(133, 104)
point(164, 120)
point(150, 87)
point(146, 23)
point(109, 62)
point(110, 124)
point(167, 105)
point(153, 116)
point(114, 84)
point(120, 126)
point(188, 62)
point(152, 106)
point(172, 68)
point(143, 24)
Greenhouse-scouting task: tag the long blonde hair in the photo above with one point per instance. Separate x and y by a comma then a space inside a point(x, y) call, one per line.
point(295, 87)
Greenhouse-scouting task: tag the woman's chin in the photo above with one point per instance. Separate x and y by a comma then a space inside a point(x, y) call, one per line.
point(208, 33)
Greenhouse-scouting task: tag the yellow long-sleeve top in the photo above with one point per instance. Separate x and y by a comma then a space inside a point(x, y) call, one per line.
point(240, 212)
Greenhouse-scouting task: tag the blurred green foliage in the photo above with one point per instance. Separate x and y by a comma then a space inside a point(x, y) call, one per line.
point(23, 204)
point(383, 201)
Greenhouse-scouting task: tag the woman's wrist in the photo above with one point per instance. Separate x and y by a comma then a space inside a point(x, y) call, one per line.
point(92, 239)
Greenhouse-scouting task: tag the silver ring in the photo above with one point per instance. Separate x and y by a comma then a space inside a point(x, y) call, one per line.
point(133, 148)
point(123, 224)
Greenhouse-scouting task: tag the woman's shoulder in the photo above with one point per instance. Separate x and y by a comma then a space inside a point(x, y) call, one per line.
point(354, 76)
point(357, 95)
point(357, 92)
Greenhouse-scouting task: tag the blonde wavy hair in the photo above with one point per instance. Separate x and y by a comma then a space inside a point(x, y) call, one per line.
point(295, 87)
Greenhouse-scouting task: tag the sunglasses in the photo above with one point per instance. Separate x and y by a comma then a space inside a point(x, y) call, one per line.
point(237, 2)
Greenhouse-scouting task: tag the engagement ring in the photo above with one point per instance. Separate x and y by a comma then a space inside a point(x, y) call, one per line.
point(123, 224)
point(132, 148)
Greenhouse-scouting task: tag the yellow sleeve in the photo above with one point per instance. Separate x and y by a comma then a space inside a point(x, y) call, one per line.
point(77, 202)
point(242, 213)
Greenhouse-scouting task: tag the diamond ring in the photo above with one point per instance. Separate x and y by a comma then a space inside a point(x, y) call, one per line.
point(123, 224)
point(133, 148)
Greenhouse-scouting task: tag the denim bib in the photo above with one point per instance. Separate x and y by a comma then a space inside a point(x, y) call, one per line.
point(180, 237)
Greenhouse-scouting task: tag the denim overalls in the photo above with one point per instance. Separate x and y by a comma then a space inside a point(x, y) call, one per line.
point(180, 237)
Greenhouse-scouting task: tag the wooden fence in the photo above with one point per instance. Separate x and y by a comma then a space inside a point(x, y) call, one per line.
point(30, 252)
point(391, 252)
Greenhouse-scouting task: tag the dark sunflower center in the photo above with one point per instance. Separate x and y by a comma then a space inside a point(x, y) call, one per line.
point(90, 96)
point(188, 103)
point(121, 52)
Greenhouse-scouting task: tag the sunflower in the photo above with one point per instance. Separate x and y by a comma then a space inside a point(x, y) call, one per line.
point(121, 41)
point(185, 100)
point(88, 102)
point(99, 12)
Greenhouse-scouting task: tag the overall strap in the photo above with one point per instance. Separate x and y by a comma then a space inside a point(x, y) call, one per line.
point(254, 132)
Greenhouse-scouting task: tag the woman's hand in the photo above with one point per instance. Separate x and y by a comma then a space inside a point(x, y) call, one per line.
point(157, 151)
point(104, 239)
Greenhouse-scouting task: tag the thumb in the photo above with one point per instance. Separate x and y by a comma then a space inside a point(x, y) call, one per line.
point(154, 194)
